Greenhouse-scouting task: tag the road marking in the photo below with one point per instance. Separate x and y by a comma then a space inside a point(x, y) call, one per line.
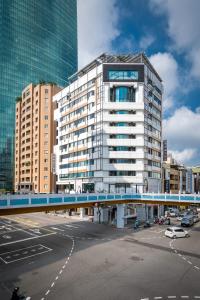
point(184, 297)
point(171, 297)
point(55, 228)
point(20, 220)
point(72, 226)
point(17, 228)
point(17, 254)
point(184, 258)
point(27, 239)
point(63, 267)
point(157, 297)
point(7, 236)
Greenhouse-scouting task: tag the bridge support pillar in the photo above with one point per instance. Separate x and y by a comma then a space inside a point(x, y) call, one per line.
point(101, 215)
point(120, 215)
point(82, 212)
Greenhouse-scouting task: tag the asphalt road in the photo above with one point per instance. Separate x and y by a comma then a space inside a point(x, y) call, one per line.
point(50, 257)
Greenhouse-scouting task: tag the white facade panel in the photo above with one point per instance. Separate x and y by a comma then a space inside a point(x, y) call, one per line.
point(106, 125)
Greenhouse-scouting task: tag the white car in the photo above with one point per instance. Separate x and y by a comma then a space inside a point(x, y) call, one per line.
point(176, 232)
point(196, 218)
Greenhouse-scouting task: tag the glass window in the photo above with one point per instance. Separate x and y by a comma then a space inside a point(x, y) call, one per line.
point(122, 94)
point(122, 173)
point(122, 161)
point(123, 75)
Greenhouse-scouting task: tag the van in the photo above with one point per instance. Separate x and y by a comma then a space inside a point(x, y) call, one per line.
point(187, 221)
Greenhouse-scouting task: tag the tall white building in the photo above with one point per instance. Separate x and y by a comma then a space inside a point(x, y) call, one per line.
point(109, 127)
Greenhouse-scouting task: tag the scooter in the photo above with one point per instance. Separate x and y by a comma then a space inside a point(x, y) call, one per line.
point(147, 224)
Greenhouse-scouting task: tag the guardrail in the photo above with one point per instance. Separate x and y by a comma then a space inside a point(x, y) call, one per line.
point(14, 201)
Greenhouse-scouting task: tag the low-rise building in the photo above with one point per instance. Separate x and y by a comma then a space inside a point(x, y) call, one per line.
point(196, 176)
point(176, 177)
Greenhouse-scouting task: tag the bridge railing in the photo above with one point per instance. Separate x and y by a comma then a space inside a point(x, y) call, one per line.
point(32, 200)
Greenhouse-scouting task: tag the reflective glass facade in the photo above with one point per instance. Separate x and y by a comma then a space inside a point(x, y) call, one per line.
point(123, 75)
point(122, 94)
point(38, 42)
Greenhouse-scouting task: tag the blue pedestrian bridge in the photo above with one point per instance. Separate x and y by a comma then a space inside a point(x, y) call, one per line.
point(16, 204)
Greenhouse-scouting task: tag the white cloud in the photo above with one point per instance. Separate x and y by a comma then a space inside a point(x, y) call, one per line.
point(146, 41)
point(97, 28)
point(167, 68)
point(185, 156)
point(183, 28)
point(182, 132)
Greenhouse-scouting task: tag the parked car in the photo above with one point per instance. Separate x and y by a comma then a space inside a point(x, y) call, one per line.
point(172, 212)
point(181, 216)
point(187, 221)
point(196, 218)
point(176, 232)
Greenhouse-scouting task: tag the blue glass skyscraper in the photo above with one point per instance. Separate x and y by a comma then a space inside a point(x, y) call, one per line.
point(38, 42)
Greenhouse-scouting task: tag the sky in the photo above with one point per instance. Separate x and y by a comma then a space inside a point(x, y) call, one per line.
point(168, 31)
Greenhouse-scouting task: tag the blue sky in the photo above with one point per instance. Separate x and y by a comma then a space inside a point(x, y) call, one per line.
point(168, 31)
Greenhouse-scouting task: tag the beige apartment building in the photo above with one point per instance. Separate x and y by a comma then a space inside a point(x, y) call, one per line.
point(34, 139)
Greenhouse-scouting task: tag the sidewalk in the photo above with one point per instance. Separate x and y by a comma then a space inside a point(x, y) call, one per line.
point(75, 217)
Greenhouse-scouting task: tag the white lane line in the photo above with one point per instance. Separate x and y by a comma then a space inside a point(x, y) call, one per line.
point(184, 297)
point(196, 297)
point(63, 267)
point(145, 299)
point(25, 248)
point(10, 231)
point(189, 262)
point(196, 267)
point(27, 239)
point(11, 261)
point(55, 228)
point(3, 260)
point(72, 226)
point(28, 298)
point(157, 297)
point(171, 297)
point(21, 229)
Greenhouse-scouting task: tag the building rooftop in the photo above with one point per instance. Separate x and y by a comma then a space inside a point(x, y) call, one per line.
point(109, 58)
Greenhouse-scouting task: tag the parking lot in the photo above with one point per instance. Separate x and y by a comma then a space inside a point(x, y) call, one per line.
point(50, 257)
